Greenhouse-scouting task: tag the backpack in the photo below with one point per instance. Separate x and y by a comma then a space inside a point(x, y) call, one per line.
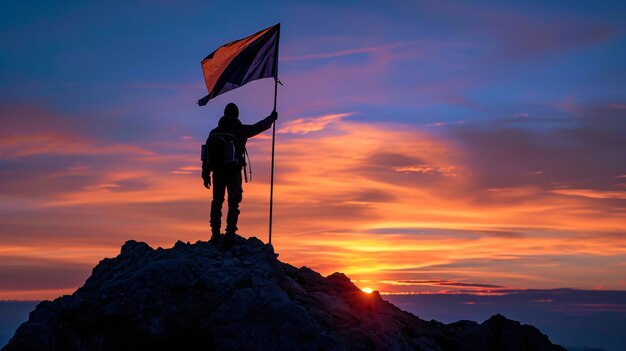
point(220, 153)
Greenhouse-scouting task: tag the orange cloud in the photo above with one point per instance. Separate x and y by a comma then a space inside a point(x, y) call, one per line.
point(594, 194)
point(312, 124)
point(59, 144)
point(384, 203)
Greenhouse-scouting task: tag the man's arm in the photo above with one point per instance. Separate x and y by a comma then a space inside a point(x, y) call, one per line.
point(206, 167)
point(260, 126)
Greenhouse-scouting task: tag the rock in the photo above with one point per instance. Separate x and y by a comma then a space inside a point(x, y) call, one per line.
point(203, 297)
point(497, 332)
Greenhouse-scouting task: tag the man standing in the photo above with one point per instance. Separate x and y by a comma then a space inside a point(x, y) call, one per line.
point(225, 158)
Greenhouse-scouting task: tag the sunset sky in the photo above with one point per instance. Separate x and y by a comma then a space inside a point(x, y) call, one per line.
point(421, 147)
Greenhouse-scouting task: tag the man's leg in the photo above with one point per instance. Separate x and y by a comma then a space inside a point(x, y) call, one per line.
point(219, 188)
point(235, 194)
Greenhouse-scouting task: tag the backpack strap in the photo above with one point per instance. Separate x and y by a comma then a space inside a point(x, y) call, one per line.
point(249, 164)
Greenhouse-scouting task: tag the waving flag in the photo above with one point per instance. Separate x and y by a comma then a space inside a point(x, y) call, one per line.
point(241, 61)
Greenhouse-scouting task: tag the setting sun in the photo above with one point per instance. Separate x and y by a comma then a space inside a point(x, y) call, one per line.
point(367, 290)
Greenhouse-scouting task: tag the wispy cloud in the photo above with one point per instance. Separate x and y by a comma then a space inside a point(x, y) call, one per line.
point(312, 124)
point(61, 144)
point(355, 51)
point(443, 283)
point(593, 194)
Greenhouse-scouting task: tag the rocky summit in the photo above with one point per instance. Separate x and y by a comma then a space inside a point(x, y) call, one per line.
point(204, 297)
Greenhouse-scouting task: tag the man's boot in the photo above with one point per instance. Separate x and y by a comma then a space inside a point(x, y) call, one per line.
point(215, 236)
point(229, 240)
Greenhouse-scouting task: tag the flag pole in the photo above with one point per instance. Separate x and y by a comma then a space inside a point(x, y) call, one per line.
point(274, 137)
point(272, 174)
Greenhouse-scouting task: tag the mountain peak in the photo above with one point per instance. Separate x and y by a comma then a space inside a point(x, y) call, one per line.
point(201, 296)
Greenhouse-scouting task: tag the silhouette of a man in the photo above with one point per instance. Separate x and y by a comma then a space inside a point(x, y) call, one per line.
point(227, 176)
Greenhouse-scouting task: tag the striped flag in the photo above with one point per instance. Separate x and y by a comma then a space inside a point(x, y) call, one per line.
point(241, 61)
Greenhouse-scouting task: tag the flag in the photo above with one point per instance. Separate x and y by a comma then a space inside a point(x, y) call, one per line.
point(241, 61)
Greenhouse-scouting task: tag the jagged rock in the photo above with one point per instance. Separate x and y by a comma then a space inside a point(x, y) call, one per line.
point(203, 297)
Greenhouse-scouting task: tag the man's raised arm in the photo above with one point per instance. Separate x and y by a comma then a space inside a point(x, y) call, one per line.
point(260, 126)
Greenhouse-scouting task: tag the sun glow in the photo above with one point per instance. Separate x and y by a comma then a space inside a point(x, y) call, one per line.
point(367, 290)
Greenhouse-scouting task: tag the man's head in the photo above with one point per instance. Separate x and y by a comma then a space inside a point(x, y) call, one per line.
point(231, 111)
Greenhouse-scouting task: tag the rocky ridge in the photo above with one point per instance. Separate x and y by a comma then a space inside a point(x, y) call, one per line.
point(203, 297)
